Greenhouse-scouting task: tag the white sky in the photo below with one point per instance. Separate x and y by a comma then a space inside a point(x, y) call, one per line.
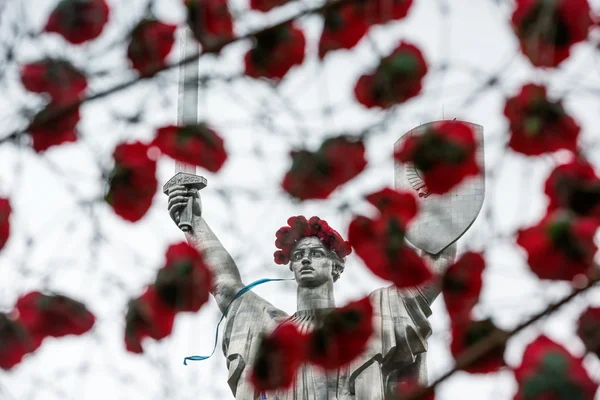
point(59, 243)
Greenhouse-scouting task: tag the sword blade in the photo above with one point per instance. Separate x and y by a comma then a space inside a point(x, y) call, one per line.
point(187, 102)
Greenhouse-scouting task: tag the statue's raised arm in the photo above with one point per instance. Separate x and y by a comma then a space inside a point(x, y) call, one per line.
point(226, 276)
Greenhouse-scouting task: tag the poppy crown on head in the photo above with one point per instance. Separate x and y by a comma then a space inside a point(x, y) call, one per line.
point(299, 227)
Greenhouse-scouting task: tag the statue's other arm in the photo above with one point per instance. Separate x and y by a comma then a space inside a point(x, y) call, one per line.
point(439, 263)
point(226, 276)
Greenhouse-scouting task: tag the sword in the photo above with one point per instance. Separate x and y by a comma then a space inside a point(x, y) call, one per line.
point(187, 114)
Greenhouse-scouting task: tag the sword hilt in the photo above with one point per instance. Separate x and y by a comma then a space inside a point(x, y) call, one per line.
point(192, 182)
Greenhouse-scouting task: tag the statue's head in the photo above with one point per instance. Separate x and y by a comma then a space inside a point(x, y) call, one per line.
point(315, 251)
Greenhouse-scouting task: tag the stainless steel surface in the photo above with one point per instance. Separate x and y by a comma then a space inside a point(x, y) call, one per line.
point(442, 219)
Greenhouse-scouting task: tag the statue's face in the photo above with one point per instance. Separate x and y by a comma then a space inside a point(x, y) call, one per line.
point(311, 263)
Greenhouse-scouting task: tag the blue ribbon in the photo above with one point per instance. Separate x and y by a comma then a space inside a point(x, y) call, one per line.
point(237, 295)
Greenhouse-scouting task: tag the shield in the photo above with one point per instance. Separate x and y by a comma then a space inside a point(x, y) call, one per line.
point(442, 219)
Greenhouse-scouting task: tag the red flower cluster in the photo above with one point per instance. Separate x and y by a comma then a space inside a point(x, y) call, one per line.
point(209, 20)
point(383, 11)
point(299, 227)
point(575, 187)
point(469, 333)
point(63, 82)
point(278, 358)
point(588, 327)
point(317, 175)
point(444, 155)
point(548, 29)
point(343, 335)
point(266, 5)
point(560, 247)
point(380, 243)
point(150, 44)
point(538, 125)
point(53, 126)
point(36, 317)
point(192, 144)
point(78, 20)
point(275, 52)
point(343, 28)
point(5, 211)
point(341, 338)
point(182, 285)
point(549, 371)
point(132, 183)
point(461, 286)
point(397, 78)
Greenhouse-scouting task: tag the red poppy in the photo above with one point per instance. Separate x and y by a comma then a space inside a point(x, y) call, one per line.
point(53, 126)
point(444, 155)
point(588, 327)
point(147, 316)
point(266, 5)
point(407, 388)
point(132, 182)
point(185, 281)
point(397, 78)
point(53, 315)
point(209, 20)
point(14, 342)
point(382, 11)
point(469, 333)
point(547, 29)
point(538, 125)
point(192, 144)
point(278, 358)
point(150, 44)
point(461, 285)
point(343, 28)
point(5, 211)
point(78, 20)
point(402, 205)
point(560, 247)
point(317, 175)
point(343, 335)
point(381, 244)
point(59, 78)
point(275, 52)
point(549, 372)
point(576, 187)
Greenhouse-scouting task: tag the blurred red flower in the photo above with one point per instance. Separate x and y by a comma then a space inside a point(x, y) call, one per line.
point(53, 126)
point(15, 342)
point(147, 316)
point(209, 20)
point(150, 43)
point(58, 78)
point(588, 327)
point(275, 52)
point(185, 281)
point(53, 316)
point(343, 335)
point(406, 388)
point(538, 125)
point(576, 187)
point(444, 155)
point(548, 29)
point(78, 20)
point(266, 5)
point(278, 358)
point(461, 285)
point(132, 183)
point(382, 11)
point(548, 372)
point(397, 78)
point(400, 204)
point(317, 175)
point(380, 244)
point(5, 211)
point(560, 247)
point(192, 144)
point(343, 28)
point(467, 334)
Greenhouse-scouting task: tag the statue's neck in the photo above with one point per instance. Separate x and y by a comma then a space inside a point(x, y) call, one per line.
point(310, 298)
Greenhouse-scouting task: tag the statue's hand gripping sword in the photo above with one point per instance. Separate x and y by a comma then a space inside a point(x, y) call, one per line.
point(187, 114)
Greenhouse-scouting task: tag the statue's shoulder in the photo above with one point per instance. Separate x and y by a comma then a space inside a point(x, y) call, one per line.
point(391, 297)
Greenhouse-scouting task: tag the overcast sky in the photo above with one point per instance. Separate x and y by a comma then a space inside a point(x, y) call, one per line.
point(65, 241)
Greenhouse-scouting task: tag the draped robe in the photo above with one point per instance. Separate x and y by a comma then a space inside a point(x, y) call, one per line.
point(395, 351)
